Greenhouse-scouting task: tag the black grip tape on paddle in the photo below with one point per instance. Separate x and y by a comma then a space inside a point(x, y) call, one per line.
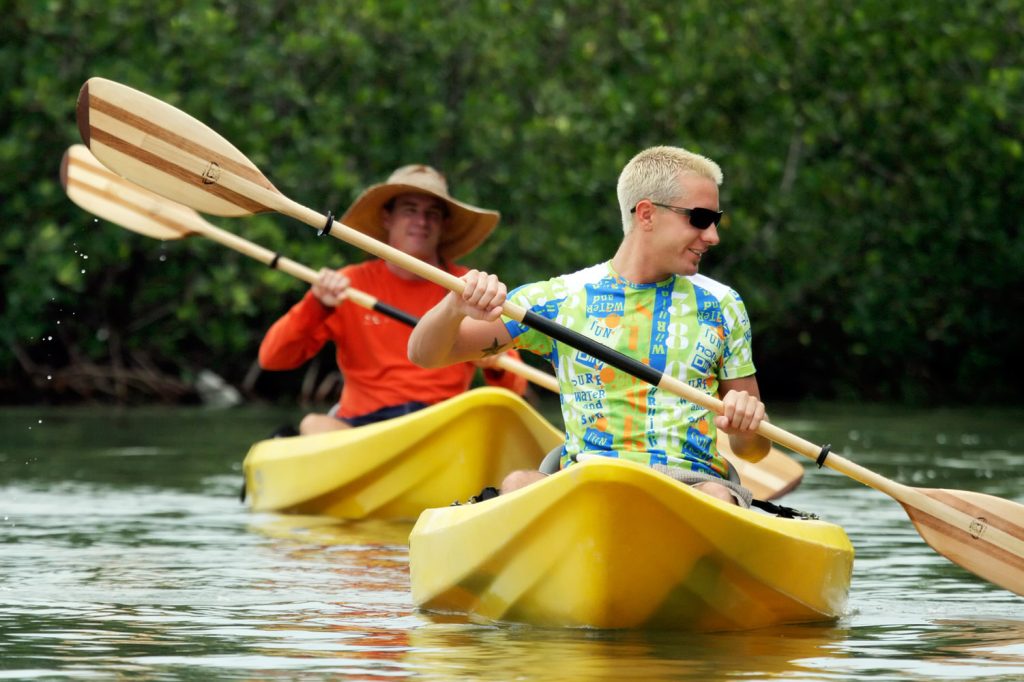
point(591, 347)
point(326, 229)
point(273, 261)
point(823, 454)
point(396, 314)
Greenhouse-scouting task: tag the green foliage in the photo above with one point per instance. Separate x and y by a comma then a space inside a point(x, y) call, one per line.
point(871, 151)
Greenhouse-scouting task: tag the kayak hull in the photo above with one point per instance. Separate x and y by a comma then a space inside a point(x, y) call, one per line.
point(396, 469)
point(612, 544)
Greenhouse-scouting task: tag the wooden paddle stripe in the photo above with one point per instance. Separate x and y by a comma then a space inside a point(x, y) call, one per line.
point(991, 516)
point(96, 168)
point(161, 164)
point(119, 200)
point(105, 115)
point(149, 128)
point(976, 543)
point(82, 169)
point(163, 220)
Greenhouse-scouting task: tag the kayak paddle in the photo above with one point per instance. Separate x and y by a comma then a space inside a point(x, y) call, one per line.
point(169, 152)
point(103, 193)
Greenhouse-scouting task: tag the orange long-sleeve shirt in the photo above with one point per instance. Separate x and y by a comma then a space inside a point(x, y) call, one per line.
point(371, 349)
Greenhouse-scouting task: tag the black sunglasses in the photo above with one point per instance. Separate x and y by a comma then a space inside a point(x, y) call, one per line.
point(700, 218)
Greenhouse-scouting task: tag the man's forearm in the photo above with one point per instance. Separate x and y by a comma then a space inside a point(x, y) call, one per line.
point(433, 338)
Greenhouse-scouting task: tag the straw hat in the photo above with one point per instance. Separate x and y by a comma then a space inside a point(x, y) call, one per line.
point(467, 227)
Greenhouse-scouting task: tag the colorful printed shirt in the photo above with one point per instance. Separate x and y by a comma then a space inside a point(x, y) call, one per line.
point(371, 348)
point(691, 328)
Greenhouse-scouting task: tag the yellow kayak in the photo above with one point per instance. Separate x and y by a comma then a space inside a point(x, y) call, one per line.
point(609, 543)
point(397, 468)
point(431, 458)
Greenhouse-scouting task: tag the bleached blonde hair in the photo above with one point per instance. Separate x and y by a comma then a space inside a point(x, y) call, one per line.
point(654, 174)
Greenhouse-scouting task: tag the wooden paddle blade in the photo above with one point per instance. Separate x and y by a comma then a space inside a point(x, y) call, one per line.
point(771, 477)
point(168, 152)
point(981, 533)
point(101, 192)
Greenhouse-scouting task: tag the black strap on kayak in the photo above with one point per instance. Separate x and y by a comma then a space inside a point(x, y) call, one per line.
point(488, 493)
point(823, 454)
point(782, 512)
point(327, 226)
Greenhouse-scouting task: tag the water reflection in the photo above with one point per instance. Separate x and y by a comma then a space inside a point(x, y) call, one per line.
point(326, 531)
point(995, 642)
point(939, 649)
point(490, 653)
point(363, 630)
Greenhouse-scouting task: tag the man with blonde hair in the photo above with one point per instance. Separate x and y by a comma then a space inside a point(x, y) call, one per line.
point(647, 302)
point(414, 213)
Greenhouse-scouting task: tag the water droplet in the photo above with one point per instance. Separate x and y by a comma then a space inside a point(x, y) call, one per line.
point(83, 271)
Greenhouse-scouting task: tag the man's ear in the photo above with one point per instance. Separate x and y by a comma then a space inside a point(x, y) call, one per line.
point(645, 214)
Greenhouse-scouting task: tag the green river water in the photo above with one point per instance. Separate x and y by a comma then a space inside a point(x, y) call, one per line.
point(126, 554)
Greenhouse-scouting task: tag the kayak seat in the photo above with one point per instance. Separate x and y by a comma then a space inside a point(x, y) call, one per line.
point(551, 462)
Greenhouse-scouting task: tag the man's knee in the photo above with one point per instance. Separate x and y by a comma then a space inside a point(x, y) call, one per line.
point(520, 479)
point(716, 490)
point(320, 423)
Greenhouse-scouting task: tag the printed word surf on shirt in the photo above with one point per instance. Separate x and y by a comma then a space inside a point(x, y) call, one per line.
point(691, 328)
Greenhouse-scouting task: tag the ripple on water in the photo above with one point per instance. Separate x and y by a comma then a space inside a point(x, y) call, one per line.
point(131, 556)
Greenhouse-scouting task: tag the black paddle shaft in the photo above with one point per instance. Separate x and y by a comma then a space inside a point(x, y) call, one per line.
point(592, 347)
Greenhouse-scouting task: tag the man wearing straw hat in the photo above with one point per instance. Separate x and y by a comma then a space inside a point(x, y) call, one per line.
point(414, 213)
